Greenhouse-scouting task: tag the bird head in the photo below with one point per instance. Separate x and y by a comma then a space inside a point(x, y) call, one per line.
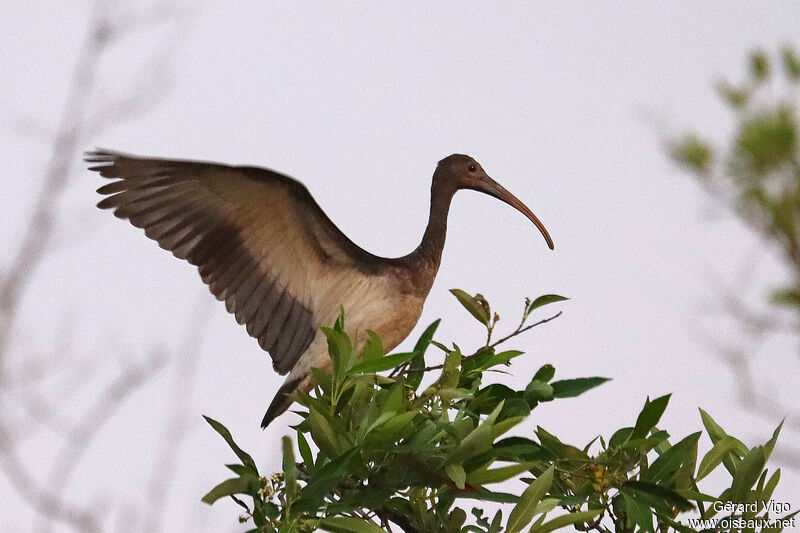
point(463, 172)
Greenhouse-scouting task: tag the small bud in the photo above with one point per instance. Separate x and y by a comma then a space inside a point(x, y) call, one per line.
point(759, 65)
point(694, 153)
point(791, 63)
point(483, 303)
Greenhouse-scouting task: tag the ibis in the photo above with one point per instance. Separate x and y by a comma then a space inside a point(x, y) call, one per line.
point(265, 247)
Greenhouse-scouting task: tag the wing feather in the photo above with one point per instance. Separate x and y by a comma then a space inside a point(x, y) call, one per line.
point(260, 241)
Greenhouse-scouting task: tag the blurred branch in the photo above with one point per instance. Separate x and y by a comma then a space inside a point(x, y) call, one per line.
point(756, 176)
point(48, 500)
point(56, 374)
point(82, 520)
point(177, 422)
point(40, 226)
point(84, 432)
point(74, 125)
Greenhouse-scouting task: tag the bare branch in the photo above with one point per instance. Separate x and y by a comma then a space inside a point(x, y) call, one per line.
point(90, 424)
point(176, 425)
point(71, 515)
point(522, 329)
point(50, 499)
point(40, 227)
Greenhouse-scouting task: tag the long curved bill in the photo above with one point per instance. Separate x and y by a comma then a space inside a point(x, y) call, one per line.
point(492, 188)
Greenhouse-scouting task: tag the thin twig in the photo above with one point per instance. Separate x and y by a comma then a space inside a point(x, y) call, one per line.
point(73, 515)
point(521, 329)
point(90, 424)
point(176, 425)
point(40, 227)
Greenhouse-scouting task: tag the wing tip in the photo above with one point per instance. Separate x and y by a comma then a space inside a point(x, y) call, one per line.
point(101, 160)
point(281, 402)
point(99, 155)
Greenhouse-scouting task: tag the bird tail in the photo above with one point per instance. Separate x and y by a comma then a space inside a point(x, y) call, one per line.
point(281, 402)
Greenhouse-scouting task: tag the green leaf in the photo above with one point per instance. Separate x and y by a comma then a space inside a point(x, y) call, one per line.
point(341, 351)
point(791, 63)
point(620, 437)
point(472, 305)
point(518, 449)
point(238, 485)
point(669, 462)
point(486, 495)
point(416, 369)
point(514, 408)
point(716, 433)
point(323, 433)
point(692, 152)
point(486, 359)
point(545, 373)
point(305, 450)
point(373, 348)
point(346, 524)
point(538, 391)
point(559, 450)
point(638, 513)
point(566, 520)
point(747, 473)
point(477, 441)
point(759, 65)
point(715, 456)
point(666, 497)
point(450, 371)
point(242, 470)
point(545, 300)
point(523, 512)
point(394, 399)
point(487, 398)
point(696, 496)
point(222, 430)
point(457, 474)
point(769, 488)
point(496, 526)
point(289, 467)
point(770, 444)
point(324, 480)
point(649, 417)
point(545, 506)
point(391, 430)
point(502, 358)
point(384, 363)
point(484, 476)
point(569, 388)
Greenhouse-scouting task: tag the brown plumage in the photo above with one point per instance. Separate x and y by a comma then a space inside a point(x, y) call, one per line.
point(264, 247)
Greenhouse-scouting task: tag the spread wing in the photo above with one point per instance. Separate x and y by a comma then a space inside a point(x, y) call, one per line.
point(258, 238)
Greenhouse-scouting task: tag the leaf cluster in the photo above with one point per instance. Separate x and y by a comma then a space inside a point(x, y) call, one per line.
point(758, 173)
point(380, 452)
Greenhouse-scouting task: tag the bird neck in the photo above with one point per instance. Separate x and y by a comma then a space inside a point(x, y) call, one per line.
point(428, 254)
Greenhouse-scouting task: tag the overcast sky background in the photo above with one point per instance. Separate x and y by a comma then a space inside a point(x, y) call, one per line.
point(566, 104)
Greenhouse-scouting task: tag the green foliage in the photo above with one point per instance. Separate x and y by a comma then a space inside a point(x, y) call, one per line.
point(758, 174)
point(379, 452)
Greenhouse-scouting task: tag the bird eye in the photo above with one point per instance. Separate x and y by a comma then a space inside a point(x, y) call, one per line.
point(472, 168)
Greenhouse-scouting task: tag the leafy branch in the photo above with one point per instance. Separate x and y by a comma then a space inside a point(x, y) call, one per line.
point(381, 452)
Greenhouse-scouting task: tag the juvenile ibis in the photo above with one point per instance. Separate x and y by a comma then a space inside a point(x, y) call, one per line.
point(263, 245)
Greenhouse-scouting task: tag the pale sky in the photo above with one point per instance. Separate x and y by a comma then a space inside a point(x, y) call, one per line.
point(567, 104)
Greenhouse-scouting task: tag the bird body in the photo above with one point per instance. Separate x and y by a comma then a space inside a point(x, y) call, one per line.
point(264, 247)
